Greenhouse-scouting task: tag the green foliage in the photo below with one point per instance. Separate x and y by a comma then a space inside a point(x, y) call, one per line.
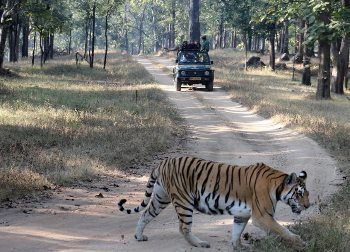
point(47, 16)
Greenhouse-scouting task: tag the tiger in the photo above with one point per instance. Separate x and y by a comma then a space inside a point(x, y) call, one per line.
point(192, 183)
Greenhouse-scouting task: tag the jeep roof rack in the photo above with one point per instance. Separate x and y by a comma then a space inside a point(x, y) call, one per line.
point(190, 46)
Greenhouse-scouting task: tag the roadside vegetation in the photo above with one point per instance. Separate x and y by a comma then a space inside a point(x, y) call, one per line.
point(274, 95)
point(63, 122)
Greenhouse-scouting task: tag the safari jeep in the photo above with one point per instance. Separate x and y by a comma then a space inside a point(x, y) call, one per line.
point(193, 67)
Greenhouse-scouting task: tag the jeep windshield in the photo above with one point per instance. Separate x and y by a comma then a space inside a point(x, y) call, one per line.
point(193, 57)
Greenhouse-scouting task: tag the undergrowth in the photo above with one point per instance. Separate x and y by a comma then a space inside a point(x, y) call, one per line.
point(63, 122)
point(274, 95)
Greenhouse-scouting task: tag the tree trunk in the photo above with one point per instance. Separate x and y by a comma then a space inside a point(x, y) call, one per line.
point(300, 37)
point(172, 26)
point(154, 29)
point(140, 42)
point(126, 38)
point(106, 41)
point(51, 45)
point(244, 37)
point(46, 47)
point(25, 38)
point(285, 41)
point(34, 47)
point(234, 39)
point(272, 48)
point(341, 60)
point(11, 44)
point(249, 42)
point(226, 34)
point(324, 76)
point(278, 39)
point(14, 39)
point(70, 42)
point(3, 36)
point(263, 44)
point(194, 25)
point(93, 36)
point(41, 50)
point(308, 50)
point(221, 31)
point(87, 32)
point(340, 66)
point(323, 84)
point(306, 78)
point(302, 54)
point(90, 40)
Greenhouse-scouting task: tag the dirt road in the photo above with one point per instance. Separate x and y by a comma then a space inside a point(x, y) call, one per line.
point(85, 218)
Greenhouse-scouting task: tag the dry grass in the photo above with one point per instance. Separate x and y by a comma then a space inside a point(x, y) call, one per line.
point(275, 95)
point(64, 122)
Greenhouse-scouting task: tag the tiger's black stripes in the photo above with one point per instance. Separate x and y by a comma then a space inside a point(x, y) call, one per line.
point(227, 176)
point(217, 181)
point(239, 176)
point(206, 180)
point(215, 188)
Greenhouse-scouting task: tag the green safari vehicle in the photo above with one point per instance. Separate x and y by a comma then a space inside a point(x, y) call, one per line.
point(193, 67)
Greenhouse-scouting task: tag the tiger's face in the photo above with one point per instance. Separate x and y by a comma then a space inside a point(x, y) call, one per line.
point(295, 193)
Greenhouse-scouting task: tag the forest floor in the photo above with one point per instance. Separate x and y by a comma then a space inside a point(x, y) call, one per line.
point(84, 217)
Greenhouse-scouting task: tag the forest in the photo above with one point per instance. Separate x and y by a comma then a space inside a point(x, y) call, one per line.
point(300, 29)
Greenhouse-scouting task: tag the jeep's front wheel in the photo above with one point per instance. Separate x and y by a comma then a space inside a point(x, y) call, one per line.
point(178, 85)
point(210, 86)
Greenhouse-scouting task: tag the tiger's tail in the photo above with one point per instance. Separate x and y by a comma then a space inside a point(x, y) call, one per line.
point(146, 199)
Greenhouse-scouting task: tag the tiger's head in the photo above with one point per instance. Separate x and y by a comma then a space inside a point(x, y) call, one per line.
point(295, 193)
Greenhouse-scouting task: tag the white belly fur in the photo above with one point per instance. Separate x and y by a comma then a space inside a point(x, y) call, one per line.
point(238, 209)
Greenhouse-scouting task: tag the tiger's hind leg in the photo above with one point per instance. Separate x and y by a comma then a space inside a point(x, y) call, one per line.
point(184, 214)
point(159, 202)
point(239, 223)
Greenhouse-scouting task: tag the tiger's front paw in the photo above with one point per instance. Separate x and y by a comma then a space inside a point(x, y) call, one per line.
point(141, 237)
point(236, 244)
point(297, 241)
point(204, 244)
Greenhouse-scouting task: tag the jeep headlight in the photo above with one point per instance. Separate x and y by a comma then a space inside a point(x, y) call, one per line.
point(183, 73)
point(206, 73)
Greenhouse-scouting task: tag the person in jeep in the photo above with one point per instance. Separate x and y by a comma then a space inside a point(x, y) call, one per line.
point(205, 44)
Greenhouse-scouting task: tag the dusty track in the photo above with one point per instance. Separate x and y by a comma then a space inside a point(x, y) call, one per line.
point(74, 219)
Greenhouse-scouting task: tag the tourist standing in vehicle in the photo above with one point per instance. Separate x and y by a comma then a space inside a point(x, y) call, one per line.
point(205, 44)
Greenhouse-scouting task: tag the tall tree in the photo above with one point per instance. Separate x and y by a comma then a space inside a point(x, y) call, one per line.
point(285, 37)
point(106, 8)
point(8, 9)
point(341, 49)
point(322, 30)
point(240, 14)
point(14, 32)
point(93, 35)
point(46, 17)
point(25, 37)
point(194, 25)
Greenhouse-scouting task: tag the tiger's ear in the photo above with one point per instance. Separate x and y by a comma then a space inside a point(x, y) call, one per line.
point(291, 179)
point(303, 175)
